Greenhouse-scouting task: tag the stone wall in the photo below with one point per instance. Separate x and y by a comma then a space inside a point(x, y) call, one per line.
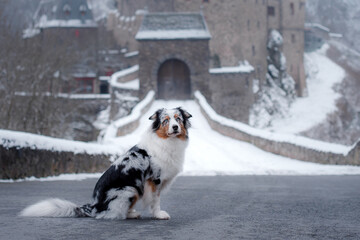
point(287, 149)
point(354, 155)
point(232, 94)
point(21, 162)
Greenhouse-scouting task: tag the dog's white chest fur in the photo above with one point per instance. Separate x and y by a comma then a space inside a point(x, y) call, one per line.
point(168, 154)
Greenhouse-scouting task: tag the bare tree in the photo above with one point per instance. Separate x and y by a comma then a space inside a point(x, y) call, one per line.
point(30, 80)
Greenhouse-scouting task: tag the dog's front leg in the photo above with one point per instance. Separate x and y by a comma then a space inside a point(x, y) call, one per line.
point(155, 208)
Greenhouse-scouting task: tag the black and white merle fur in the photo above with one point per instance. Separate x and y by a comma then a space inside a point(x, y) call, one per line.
point(142, 173)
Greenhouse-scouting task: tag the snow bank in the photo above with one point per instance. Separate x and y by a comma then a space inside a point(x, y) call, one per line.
point(66, 95)
point(133, 85)
point(10, 139)
point(61, 177)
point(317, 25)
point(124, 72)
point(278, 137)
point(130, 85)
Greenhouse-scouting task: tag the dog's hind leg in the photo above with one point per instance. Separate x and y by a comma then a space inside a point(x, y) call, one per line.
point(119, 202)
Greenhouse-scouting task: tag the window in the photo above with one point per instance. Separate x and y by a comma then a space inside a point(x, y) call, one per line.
point(292, 9)
point(293, 39)
point(271, 11)
point(82, 10)
point(67, 9)
point(301, 5)
point(253, 50)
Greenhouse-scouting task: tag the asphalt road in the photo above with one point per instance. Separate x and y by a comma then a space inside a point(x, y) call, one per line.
point(223, 207)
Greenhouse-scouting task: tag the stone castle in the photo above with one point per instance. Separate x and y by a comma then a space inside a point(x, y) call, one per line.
point(223, 62)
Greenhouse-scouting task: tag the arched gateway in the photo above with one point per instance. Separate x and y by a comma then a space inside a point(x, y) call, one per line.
point(173, 55)
point(173, 80)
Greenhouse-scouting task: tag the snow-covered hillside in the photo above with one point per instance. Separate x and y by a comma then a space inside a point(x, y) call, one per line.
point(307, 112)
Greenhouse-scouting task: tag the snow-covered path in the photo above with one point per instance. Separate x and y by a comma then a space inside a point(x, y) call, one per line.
point(309, 111)
point(210, 153)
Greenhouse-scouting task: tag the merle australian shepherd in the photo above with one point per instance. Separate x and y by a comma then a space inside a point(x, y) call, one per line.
point(142, 173)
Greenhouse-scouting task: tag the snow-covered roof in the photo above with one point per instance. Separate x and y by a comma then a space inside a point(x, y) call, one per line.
point(335, 35)
point(64, 13)
point(166, 26)
point(131, 54)
point(317, 25)
point(244, 67)
point(30, 32)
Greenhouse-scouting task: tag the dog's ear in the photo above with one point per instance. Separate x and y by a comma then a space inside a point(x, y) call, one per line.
point(156, 119)
point(156, 114)
point(186, 117)
point(184, 113)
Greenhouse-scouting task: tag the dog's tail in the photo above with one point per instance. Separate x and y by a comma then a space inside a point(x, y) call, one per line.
point(55, 207)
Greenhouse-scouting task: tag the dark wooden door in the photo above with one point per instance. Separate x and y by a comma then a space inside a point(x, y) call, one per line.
point(174, 80)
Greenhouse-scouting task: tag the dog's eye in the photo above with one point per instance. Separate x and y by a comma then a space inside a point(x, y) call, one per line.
point(178, 119)
point(165, 122)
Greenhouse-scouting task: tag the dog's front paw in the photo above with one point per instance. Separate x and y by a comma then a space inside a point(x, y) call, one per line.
point(161, 215)
point(132, 214)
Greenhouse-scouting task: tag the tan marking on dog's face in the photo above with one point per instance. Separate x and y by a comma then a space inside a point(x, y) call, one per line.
point(163, 130)
point(183, 132)
point(170, 123)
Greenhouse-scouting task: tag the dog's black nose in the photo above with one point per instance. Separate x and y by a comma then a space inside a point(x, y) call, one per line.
point(175, 127)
